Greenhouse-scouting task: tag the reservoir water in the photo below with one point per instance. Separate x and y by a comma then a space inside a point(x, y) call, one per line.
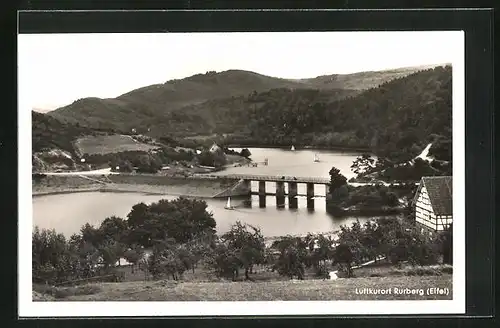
point(66, 213)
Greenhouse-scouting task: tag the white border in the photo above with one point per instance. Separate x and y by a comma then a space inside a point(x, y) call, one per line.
point(28, 308)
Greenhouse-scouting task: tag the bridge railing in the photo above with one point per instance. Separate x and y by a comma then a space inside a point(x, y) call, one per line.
point(279, 178)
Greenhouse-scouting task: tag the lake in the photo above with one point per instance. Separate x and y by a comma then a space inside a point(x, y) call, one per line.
point(68, 212)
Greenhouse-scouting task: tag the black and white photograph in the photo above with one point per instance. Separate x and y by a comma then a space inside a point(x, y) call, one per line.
point(289, 172)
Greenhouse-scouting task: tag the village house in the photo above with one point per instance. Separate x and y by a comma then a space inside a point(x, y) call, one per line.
point(433, 203)
point(214, 148)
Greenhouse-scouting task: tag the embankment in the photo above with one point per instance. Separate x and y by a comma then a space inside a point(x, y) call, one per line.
point(142, 183)
point(52, 184)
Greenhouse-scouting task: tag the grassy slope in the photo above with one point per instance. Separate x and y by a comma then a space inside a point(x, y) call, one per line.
point(341, 289)
point(109, 144)
point(362, 80)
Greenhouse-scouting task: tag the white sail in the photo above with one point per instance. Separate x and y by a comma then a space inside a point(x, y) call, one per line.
point(316, 158)
point(293, 148)
point(228, 205)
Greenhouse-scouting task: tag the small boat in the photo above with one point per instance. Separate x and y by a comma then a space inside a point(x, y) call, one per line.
point(293, 148)
point(228, 205)
point(316, 158)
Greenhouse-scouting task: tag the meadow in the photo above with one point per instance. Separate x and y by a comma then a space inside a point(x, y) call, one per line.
point(105, 144)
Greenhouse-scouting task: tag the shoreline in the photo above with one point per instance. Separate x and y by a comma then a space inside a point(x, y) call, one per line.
point(300, 147)
point(179, 191)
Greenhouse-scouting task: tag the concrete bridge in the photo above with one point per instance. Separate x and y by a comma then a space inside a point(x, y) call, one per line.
point(246, 179)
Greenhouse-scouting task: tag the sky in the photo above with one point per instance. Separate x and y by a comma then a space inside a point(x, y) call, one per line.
point(56, 69)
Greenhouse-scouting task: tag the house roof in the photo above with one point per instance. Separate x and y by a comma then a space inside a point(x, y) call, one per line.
point(440, 191)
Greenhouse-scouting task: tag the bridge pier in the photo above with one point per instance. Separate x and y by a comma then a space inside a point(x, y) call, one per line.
point(262, 188)
point(247, 186)
point(292, 195)
point(262, 194)
point(280, 194)
point(310, 195)
point(262, 201)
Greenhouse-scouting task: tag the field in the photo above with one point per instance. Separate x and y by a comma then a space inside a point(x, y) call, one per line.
point(106, 144)
point(326, 290)
point(202, 285)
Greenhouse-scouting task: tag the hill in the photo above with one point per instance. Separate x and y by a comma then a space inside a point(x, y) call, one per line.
point(362, 80)
point(49, 133)
point(57, 145)
point(399, 117)
point(231, 115)
point(154, 101)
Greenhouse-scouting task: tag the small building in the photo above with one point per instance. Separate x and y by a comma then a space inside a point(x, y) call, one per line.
point(214, 148)
point(433, 203)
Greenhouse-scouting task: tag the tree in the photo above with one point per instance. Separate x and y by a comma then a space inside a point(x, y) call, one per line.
point(321, 252)
point(148, 163)
point(111, 251)
point(245, 153)
point(246, 243)
point(337, 180)
point(224, 261)
point(133, 255)
point(181, 219)
point(351, 237)
point(292, 256)
point(114, 228)
point(49, 256)
point(363, 164)
point(215, 159)
point(91, 235)
point(344, 257)
point(137, 215)
point(400, 241)
point(165, 260)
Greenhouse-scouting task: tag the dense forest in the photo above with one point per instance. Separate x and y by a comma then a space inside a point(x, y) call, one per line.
point(395, 120)
point(130, 109)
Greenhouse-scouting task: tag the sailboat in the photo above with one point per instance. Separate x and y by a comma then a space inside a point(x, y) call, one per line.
point(228, 205)
point(293, 148)
point(316, 158)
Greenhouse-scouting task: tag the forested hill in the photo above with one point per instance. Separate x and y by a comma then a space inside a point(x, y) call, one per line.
point(154, 101)
point(362, 80)
point(49, 133)
point(398, 117)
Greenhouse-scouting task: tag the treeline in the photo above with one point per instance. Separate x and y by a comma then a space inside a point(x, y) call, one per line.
point(180, 236)
point(153, 161)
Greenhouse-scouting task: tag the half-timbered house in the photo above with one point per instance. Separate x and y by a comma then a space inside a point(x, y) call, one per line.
point(433, 203)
